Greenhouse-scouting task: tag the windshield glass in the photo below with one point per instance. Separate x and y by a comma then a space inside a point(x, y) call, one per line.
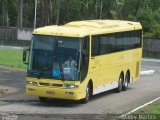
point(55, 57)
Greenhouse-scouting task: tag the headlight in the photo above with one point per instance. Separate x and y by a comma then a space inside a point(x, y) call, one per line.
point(70, 86)
point(32, 83)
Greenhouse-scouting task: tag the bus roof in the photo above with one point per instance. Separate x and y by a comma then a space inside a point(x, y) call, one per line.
point(88, 27)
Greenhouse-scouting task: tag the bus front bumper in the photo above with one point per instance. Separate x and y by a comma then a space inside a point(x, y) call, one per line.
point(58, 93)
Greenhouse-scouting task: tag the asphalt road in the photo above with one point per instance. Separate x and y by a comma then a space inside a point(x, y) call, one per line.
point(144, 90)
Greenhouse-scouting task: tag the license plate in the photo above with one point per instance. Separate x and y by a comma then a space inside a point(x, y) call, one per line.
point(50, 92)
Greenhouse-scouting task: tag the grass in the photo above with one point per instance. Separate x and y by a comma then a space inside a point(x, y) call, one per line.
point(151, 109)
point(149, 112)
point(11, 58)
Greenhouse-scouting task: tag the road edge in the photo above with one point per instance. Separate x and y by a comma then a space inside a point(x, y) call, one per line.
point(150, 60)
point(142, 106)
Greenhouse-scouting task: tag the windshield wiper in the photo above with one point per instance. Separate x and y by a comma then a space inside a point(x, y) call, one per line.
point(38, 74)
point(46, 68)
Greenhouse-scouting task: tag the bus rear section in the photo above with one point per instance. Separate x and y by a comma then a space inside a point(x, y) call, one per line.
point(116, 59)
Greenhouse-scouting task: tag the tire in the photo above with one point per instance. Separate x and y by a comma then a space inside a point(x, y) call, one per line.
point(88, 95)
point(120, 84)
point(42, 99)
point(125, 83)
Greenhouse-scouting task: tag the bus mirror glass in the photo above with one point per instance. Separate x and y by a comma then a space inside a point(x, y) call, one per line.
point(25, 56)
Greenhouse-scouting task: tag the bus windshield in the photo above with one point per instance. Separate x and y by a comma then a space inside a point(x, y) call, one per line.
point(55, 57)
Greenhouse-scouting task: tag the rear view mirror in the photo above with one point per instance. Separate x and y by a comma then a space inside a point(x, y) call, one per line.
point(25, 56)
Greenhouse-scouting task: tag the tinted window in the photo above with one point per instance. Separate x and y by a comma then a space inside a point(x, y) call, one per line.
point(115, 42)
point(119, 42)
point(136, 39)
point(95, 45)
point(127, 40)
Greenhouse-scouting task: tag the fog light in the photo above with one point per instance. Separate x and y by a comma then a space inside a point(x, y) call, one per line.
point(32, 83)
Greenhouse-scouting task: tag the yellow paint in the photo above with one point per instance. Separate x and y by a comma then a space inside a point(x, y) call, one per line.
point(88, 27)
point(40, 90)
point(104, 69)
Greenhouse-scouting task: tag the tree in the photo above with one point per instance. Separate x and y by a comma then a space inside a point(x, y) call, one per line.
point(5, 19)
point(137, 7)
point(58, 4)
point(20, 13)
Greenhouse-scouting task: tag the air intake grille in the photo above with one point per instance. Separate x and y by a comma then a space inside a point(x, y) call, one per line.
point(54, 85)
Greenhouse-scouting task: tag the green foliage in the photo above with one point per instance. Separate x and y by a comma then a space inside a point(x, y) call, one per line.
point(62, 11)
point(146, 19)
point(154, 109)
point(28, 13)
point(150, 22)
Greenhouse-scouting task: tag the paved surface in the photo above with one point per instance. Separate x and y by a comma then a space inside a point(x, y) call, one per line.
point(26, 107)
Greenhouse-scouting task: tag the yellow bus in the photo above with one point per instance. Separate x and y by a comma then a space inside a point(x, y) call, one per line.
point(83, 58)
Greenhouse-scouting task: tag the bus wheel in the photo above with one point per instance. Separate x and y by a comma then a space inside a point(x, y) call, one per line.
point(125, 83)
point(120, 84)
point(88, 94)
point(42, 99)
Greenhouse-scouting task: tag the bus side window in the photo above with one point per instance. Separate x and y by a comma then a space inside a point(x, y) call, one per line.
point(95, 46)
point(104, 45)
